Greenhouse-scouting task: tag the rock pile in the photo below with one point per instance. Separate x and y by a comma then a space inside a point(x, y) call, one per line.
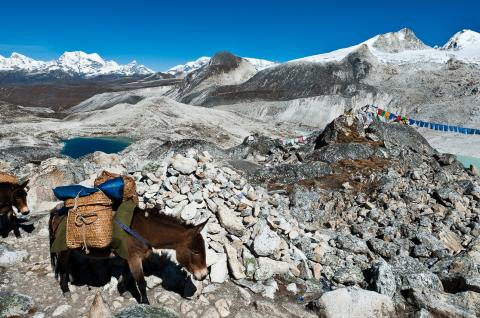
point(400, 220)
point(249, 231)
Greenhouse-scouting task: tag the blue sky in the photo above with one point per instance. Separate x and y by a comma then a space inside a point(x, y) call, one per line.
point(161, 34)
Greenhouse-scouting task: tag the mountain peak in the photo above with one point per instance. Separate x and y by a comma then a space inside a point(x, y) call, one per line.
point(183, 69)
point(394, 42)
point(463, 40)
point(79, 56)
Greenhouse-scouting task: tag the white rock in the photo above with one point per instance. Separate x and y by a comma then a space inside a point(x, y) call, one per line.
point(236, 268)
point(61, 310)
point(219, 270)
point(223, 307)
point(189, 211)
point(179, 207)
point(212, 257)
point(267, 242)
point(355, 303)
point(268, 267)
point(271, 288)
point(153, 281)
point(210, 313)
point(183, 165)
point(230, 221)
point(8, 258)
point(292, 288)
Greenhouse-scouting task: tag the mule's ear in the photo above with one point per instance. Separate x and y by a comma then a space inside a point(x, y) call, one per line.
point(24, 184)
point(199, 228)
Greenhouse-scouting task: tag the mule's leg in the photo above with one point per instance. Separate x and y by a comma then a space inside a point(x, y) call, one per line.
point(125, 279)
point(62, 269)
point(14, 225)
point(136, 268)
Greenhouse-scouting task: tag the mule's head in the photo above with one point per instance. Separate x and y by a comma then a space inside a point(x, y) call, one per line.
point(19, 197)
point(191, 253)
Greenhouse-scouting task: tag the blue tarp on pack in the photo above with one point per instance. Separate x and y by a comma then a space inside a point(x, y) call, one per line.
point(112, 188)
point(71, 191)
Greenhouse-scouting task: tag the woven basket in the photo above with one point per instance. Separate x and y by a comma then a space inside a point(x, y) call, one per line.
point(129, 189)
point(7, 178)
point(89, 221)
point(96, 198)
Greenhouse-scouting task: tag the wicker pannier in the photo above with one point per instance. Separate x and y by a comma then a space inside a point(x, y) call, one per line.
point(7, 178)
point(129, 189)
point(89, 221)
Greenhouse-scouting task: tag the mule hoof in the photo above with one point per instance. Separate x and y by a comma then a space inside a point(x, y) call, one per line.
point(67, 295)
point(145, 301)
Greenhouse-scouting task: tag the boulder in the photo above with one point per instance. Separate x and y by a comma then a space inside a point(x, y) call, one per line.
point(440, 304)
point(236, 268)
point(337, 152)
point(352, 243)
point(354, 303)
point(343, 129)
point(9, 258)
point(383, 248)
point(403, 136)
point(189, 212)
point(183, 165)
point(383, 278)
point(14, 305)
point(146, 311)
point(267, 242)
point(348, 275)
point(219, 270)
point(268, 267)
point(230, 221)
point(61, 310)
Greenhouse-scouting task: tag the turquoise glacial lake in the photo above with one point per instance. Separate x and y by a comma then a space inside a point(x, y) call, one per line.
point(467, 161)
point(81, 146)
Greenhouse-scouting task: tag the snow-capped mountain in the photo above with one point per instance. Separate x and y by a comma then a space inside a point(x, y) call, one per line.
point(73, 64)
point(183, 69)
point(403, 47)
point(463, 40)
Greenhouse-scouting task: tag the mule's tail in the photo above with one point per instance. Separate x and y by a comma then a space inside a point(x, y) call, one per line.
point(51, 232)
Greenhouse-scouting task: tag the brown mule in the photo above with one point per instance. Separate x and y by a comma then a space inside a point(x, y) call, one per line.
point(161, 232)
point(13, 195)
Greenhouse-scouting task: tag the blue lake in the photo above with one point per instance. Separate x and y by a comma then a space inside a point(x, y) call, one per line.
point(467, 161)
point(81, 146)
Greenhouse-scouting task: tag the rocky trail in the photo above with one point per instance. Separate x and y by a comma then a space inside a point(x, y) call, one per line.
point(358, 221)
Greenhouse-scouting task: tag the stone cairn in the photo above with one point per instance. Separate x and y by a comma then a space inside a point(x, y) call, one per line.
point(249, 234)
